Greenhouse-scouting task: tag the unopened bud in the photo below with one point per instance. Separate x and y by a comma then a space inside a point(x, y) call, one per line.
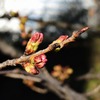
point(30, 68)
point(33, 43)
point(60, 40)
point(40, 60)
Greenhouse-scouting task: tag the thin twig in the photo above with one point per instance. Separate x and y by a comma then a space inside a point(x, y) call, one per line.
point(64, 92)
point(89, 76)
point(50, 83)
point(21, 76)
point(94, 91)
point(9, 49)
point(38, 90)
point(33, 87)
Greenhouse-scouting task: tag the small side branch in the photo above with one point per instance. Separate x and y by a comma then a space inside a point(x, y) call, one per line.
point(19, 74)
point(89, 76)
point(94, 91)
point(33, 87)
point(9, 49)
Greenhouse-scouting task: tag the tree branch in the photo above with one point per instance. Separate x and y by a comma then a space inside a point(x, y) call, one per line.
point(94, 91)
point(51, 47)
point(89, 76)
point(19, 74)
point(32, 86)
point(64, 92)
point(50, 83)
point(9, 49)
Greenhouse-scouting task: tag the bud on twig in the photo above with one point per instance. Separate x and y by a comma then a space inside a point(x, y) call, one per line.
point(60, 40)
point(30, 68)
point(40, 60)
point(33, 43)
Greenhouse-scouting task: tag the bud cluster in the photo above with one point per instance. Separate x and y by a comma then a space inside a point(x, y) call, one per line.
point(61, 73)
point(34, 63)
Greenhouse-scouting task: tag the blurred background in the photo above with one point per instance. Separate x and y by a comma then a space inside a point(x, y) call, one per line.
point(19, 19)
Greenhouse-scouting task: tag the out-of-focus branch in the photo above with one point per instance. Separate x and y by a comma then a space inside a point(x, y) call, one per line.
point(9, 49)
point(38, 90)
point(50, 84)
point(64, 92)
point(94, 91)
point(32, 86)
point(21, 76)
point(51, 47)
point(18, 74)
point(27, 79)
point(89, 76)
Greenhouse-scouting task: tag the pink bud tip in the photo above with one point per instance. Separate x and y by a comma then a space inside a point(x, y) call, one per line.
point(40, 61)
point(84, 29)
point(62, 37)
point(37, 37)
point(34, 71)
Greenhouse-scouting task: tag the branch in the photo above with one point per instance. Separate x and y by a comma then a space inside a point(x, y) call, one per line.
point(94, 91)
point(33, 87)
point(9, 49)
point(50, 83)
point(51, 47)
point(38, 90)
point(19, 74)
point(89, 76)
point(64, 92)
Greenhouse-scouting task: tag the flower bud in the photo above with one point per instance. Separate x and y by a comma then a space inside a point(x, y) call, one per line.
point(30, 68)
point(56, 73)
point(37, 37)
point(33, 43)
point(57, 67)
point(68, 71)
point(61, 73)
point(60, 40)
point(40, 60)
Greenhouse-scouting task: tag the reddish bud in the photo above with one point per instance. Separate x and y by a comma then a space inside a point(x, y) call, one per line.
point(62, 38)
point(34, 71)
point(40, 60)
point(30, 68)
point(37, 37)
point(33, 43)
